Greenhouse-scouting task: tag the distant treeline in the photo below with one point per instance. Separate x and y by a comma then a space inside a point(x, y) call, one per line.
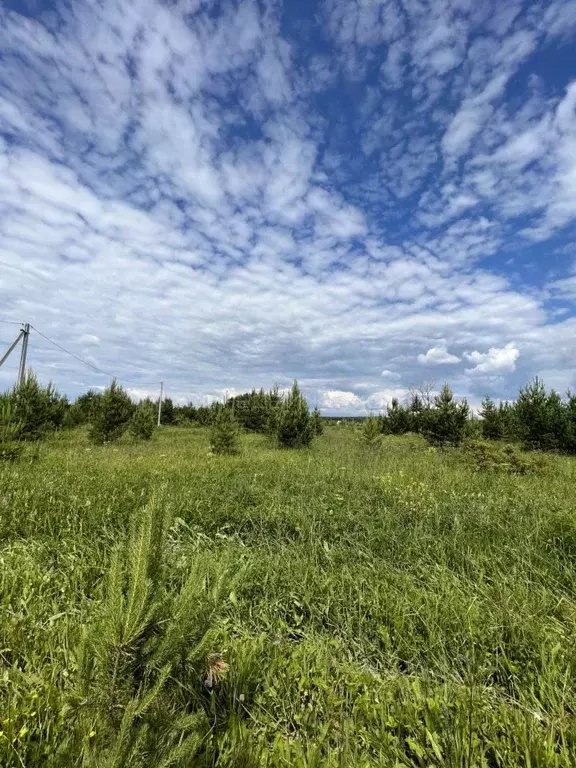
point(538, 418)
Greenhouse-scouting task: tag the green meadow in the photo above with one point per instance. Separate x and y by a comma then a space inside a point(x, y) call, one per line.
point(342, 605)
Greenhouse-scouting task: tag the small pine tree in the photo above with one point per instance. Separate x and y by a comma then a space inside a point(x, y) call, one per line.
point(86, 404)
point(317, 422)
point(397, 419)
point(167, 411)
point(416, 408)
point(492, 425)
point(445, 423)
point(224, 433)
point(294, 426)
point(73, 417)
point(37, 409)
point(543, 420)
point(111, 415)
point(143, 421)
point(371, 434)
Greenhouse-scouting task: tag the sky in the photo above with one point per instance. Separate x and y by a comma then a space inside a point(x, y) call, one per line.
point(365, 195)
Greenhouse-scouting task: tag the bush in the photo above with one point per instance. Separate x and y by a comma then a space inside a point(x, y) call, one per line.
point(143, 421)
point(111, 415)
point(294, 426)
point(224, 433)
point(445, 423)
point(371, 434)
point(485, 456)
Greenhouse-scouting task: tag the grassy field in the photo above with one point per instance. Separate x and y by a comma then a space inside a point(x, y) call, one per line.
point(338, 606)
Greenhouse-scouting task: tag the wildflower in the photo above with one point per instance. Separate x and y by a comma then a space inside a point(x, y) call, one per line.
point(217, 669)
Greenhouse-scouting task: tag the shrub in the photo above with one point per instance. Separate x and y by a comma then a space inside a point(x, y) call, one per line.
point(224, 433)
point(111, 415)
point(371, 434)
point(445, 423)
point(485, 456)
point(294, 426)
point(143, 421)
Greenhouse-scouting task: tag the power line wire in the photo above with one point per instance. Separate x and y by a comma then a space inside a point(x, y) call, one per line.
point(81, 360)
point(10, 322)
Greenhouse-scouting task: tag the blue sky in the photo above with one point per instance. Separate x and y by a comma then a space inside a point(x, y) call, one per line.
point(363, 194)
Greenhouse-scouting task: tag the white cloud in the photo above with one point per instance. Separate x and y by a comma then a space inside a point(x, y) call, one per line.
point(496, 360)
point(378, 401)
point(438, 355)
point(184, 198)
point(336, 400)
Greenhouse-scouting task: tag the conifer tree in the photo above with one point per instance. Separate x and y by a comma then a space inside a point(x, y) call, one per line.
point(111, 415)
point(371, 434)
point(492, 426)
point(86, 404)
point(37, 409)
point(543, 420)
point(397, 418)
point(317, 422)
point(445, 423)
point(167, 416)
point(143, 421)
point(294, 426)
point(415, 411)
point(145, 641)
point(224, 432)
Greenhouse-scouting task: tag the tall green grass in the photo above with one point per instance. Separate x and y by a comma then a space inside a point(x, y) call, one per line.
point(339, 606)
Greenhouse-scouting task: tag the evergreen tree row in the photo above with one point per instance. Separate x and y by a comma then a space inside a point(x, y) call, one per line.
point(441, 420)
point(538, 419)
